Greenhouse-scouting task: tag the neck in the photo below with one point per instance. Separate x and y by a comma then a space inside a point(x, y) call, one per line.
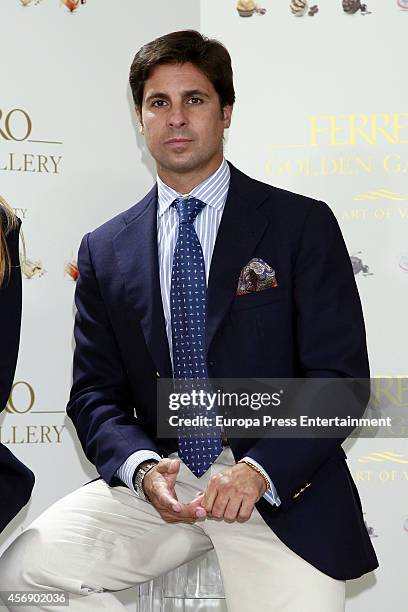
point(185, 182)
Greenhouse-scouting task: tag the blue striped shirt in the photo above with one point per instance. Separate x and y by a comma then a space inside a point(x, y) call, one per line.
point(213, 191)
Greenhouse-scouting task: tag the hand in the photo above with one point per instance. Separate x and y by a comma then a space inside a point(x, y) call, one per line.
point(158, 485)
point(231, 494)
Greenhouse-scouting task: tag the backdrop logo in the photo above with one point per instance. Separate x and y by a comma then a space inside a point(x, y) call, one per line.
point(22, 398)
point(381, 204)
point(382, 194)
point(16, 129)
point(382, 474)
point(21, 406)
point(384, 456)
point(343, 134)
point(15, 125)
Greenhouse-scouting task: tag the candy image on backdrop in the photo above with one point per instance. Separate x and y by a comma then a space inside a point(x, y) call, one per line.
point(247, 8)
point(300, 8)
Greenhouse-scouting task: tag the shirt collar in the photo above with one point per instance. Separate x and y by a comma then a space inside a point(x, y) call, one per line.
point(213, 190)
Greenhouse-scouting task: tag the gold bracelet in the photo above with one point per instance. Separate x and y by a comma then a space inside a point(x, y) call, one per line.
point(254, 467)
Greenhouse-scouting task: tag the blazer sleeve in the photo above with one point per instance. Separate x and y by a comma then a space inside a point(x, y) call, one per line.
point(331, 343)
point(101, 405)
point(10, 319)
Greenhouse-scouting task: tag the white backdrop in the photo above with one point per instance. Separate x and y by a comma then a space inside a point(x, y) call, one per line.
point(320, 110)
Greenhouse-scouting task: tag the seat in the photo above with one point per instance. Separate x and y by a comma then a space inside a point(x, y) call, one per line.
point(194, 586)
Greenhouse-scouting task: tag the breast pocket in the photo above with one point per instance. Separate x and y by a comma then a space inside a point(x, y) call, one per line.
point(259, 298)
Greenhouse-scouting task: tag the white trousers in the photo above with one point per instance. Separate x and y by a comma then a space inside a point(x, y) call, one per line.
point(101, 539)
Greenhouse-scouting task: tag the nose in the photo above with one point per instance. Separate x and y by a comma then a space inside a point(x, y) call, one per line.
point(177, 117)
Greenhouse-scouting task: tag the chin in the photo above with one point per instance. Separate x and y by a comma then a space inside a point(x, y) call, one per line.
point(181, 164)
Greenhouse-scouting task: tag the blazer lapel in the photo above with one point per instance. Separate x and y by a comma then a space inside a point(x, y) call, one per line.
point(136, 250)
point(241, 228)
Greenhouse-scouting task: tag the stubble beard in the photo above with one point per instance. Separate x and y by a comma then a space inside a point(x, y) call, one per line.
point(191, 163)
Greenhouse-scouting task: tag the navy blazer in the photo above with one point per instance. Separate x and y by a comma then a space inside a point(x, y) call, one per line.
point(16, 480)
point(310, 325)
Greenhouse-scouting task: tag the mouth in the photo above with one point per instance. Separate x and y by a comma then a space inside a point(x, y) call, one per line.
point(177, 142)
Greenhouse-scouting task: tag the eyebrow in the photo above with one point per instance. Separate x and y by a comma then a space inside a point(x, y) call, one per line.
point(185, 94)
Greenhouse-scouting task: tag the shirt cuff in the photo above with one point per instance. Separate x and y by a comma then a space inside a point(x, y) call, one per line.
point(128, 467)
point(270, 494)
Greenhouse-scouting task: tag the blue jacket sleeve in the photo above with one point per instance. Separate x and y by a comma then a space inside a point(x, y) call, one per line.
point(100, 403)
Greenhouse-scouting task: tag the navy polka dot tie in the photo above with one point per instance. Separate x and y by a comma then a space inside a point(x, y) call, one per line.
point(199, 446)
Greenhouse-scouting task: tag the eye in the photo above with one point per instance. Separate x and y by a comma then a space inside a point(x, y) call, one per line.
point(158, 103)
point(195, 100)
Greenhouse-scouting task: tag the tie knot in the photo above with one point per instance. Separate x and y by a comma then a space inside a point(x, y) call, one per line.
point(187, 208)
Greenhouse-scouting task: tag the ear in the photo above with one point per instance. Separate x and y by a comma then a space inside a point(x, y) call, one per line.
point(139, 114)
point(226, 115)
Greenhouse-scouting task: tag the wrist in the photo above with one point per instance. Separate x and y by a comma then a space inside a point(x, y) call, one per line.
point(139, 475)
point(258, 471)
point(143, 464)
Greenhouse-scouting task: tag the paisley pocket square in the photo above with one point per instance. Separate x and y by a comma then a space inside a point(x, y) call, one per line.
point(256, 276)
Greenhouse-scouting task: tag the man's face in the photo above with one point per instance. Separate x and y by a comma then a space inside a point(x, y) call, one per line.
point(182, 119)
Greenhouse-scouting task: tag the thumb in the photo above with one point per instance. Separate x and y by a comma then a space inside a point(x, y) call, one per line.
point(168, 466)
point(195, 505)
point(196, 501)
point(167, 496)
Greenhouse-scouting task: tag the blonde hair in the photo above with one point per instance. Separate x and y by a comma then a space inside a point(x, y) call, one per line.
point(8, 222)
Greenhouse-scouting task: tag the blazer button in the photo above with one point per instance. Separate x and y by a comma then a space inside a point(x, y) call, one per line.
point(296, 495)
point(211, 363)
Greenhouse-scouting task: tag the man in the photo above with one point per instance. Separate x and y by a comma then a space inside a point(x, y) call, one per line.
point(283, 515)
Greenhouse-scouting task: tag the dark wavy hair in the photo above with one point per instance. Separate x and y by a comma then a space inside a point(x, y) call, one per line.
point(208, 55)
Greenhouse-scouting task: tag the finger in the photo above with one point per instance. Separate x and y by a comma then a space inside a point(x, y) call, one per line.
point(171, 518)
point(192, 510)
point(232, 509)
point(245, 511)
point(219, 505)
point(197, 500)
point(209, 496)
